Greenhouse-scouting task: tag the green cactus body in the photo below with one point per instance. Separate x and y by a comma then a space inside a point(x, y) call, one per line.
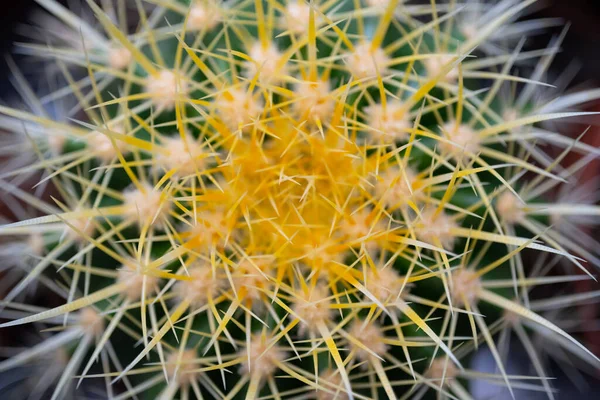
point(325, 199)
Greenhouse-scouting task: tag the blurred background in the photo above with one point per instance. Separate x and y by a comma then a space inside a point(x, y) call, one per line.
point(580, 53)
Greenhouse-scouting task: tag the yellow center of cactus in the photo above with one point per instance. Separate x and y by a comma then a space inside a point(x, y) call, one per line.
point(293, 169)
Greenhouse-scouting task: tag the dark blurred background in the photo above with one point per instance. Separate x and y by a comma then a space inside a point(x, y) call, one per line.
point(581, 47)
point(582, 43)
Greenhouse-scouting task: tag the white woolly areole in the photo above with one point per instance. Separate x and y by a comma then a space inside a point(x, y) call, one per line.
point(202, 285)
point(212, 227)
point(431, 228)
point(361, 226)
point(510, 115)
point(442, 368)
point(134, 283)
point(182, 367)
point(463, 138)
point(238, 109)
point(464, 286)
point(468, 29)
point(266, 60)
point(314, 100)
point(387, 124)
point(141, 205)
point(203, 16)
point(510, 208)
point(186, 157)
point(319, 254)
point(102, 146)
point(333, 386)
point(435, 65)
point(370, 336)
point(385, 284)
point(119, 57)
point(54, 140)
point(511, 317)
point(260, 359)
point(381, 4)
point(78, 227)
point(395, 187)
point(366, 63)
point(91, 322)
point(313, 307)
point(251, 277)
point(164, 88)
point(296, 17)
point(36, 244)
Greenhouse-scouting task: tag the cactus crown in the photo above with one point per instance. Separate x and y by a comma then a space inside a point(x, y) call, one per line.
point(280, 199)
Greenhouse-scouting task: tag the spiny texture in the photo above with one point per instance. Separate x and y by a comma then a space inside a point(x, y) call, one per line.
point(327, 199)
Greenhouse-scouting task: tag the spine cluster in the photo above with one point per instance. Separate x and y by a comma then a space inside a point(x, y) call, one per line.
point(331, 199)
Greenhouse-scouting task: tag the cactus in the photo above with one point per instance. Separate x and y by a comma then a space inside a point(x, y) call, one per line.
point(264, 199)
